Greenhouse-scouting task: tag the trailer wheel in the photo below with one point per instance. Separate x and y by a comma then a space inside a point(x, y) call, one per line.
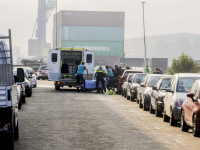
point(57, 87)
point(16, 132)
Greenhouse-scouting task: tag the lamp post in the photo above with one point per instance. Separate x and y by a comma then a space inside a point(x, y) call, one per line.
point(145, 51)
point(56, 24)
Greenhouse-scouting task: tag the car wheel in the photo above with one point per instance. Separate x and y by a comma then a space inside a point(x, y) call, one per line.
point(122, 92)
point(132, 98)
point(144, 106)
point(140, 104)
point(165, 117)
point(184, 126)
point(152, 111)
point(38, 78)
point(194, 128)
point(16, 132)
point(157, 112)
point(20, 104)
point(172, 120)
point(23, 99)
point(57, 87)
point(127, 97)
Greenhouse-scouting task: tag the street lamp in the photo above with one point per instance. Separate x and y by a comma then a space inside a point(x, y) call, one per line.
point(145, 51)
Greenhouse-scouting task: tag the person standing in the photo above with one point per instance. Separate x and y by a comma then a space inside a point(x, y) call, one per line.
point(100, 75)
point(148, 69)
point(110, 77)
point(80, 76)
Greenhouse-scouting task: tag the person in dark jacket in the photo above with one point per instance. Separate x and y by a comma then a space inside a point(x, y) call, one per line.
point(100, 75)
point(158, 71)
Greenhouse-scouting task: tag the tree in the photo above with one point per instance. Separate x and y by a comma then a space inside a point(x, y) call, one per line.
point(184, 64)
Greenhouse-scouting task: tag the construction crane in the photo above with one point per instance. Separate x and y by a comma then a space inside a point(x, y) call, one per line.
point(38, 46)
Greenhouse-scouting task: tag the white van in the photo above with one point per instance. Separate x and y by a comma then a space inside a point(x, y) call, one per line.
point(63, 65)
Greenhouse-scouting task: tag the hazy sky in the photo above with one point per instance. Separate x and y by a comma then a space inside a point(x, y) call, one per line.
point(161, 16)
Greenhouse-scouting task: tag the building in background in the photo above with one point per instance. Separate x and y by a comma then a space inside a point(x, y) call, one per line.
point(99, 31)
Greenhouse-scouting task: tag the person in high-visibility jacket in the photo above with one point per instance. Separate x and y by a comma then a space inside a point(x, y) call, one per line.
point(100, 75)
point(148, 69)
point(80, 76)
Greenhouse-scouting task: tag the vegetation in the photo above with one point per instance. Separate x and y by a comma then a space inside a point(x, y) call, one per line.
point(184, 64)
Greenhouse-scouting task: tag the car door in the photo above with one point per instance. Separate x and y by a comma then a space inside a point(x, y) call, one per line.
point(155, 93)
point(129, 84)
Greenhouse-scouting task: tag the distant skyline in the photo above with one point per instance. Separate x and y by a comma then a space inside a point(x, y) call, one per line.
point(161, 16)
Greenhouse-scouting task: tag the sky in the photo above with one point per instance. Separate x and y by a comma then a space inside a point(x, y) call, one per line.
point(161, 17)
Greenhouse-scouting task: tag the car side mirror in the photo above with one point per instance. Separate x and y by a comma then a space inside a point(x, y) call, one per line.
point(20, 75)
point(191, 95)
point(155, 88)
point(169, 90)
point(142, 85)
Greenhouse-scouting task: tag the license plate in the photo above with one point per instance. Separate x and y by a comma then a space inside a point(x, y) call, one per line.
point(71, 83)
point(44, 75)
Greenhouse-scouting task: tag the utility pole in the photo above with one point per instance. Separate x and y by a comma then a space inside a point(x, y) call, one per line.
point(56, 24)
point(145, 51)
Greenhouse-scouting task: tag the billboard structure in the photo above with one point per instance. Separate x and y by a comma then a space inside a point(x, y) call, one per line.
point(99, 31)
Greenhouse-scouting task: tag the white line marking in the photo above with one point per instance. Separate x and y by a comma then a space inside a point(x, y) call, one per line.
point(157, 128)
point(180, 142)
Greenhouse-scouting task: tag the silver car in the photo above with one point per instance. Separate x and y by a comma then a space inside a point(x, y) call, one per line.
point(179, 85)
point(125, 84)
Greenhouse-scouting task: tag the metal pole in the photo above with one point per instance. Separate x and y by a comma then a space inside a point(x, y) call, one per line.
point(56, 24)
point(145, 52)
point(10, 44)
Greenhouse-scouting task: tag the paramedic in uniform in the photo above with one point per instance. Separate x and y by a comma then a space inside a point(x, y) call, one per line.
point(80, 73)
point(100, 75)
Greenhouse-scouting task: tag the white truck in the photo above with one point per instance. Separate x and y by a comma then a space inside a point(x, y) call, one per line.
point(63, 65)
point(9, 130)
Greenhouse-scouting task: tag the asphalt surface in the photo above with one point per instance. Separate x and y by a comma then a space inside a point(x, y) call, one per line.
point(67, 120)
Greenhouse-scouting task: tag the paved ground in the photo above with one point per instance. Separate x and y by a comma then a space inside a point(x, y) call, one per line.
point(67, 120)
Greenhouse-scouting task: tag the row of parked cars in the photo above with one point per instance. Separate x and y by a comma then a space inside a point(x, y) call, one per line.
point(175, 98)
point(24, 89)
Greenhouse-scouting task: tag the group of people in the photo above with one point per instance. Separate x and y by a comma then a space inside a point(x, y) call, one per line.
point(100, 76)
point(156, 71)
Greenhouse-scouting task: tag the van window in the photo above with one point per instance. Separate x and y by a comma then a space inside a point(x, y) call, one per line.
point(54, 57)
point(89, 58)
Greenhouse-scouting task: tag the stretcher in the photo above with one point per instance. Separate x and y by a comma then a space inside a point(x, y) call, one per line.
point(91, 85)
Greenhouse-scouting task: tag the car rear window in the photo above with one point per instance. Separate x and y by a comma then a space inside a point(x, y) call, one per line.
point(153, 80)
point(127, 72)
point(139, 78)
point(185, 84)
point(44, 68)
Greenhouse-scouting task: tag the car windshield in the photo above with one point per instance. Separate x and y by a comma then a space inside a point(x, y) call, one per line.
point(153, 80)
point(164, 84)
point(44, 68)
point(30, 70)
point(138, 78)
point(127, 72)
point(185, 84)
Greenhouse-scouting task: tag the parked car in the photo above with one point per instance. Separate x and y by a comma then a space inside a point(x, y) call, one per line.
point(157, 96)
point(179, 85)
point(27, 82)
point(123, 77)
point(146, 90)
point(43, 72)
point(20, 87)
point(133, 85)
point(33, 76)
point(125, 84)
point(190, 110)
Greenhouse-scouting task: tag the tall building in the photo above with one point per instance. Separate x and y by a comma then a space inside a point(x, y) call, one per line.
point(99, 31)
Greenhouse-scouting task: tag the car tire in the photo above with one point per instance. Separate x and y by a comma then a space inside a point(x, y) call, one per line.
point(195, 132)
point(140, 104)
point(57, 87)
point(173, 122)
point(132, 98)
point(184, 126)
point(35, 86)
point(165, 117)
point(157, 112)
point(144, 106)
point(23, 99)
point(16, 132)
point(38, 78)
point(152, 111)
point(124, 94)
point(127, 97)
point(20, 104)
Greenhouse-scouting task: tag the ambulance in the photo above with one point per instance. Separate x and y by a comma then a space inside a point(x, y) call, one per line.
point(63, 64)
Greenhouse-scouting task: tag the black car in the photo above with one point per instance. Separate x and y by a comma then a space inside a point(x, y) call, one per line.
point(157, 96)
point(133, 85)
